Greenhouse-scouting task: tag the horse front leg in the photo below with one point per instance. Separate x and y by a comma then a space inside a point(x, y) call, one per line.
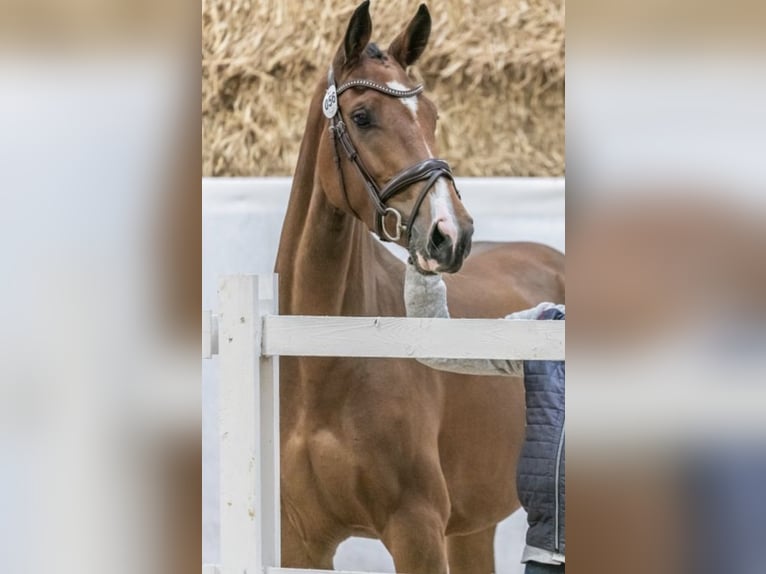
point(472, 553)
point(311, 546)
point(415, 538)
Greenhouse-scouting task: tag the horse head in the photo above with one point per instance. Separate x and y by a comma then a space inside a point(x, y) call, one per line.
point(376, 161)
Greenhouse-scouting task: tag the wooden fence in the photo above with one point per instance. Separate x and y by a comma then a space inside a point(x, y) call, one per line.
point(248, 336)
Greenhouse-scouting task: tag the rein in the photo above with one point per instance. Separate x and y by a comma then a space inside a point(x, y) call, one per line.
point(428, 170)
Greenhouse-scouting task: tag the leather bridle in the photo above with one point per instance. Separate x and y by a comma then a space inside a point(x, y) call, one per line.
point(428, 170)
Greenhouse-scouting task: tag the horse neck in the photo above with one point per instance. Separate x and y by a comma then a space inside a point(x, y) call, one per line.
point(326, 257)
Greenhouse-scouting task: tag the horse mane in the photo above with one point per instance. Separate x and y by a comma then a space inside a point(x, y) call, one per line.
point(303, 177)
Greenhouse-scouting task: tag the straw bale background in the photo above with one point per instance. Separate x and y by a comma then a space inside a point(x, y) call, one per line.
point(494, 68)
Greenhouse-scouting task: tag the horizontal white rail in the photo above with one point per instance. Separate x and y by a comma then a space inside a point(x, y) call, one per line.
point(412, 338)
point(399, 337)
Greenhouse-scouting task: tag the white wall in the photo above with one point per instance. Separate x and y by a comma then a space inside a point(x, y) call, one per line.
point(241, 223)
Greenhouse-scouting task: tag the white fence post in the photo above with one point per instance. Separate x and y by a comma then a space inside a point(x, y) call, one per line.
point(249, 433)
point(270, 467)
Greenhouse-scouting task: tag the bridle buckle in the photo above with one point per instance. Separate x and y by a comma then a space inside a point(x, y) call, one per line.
point(398, 224)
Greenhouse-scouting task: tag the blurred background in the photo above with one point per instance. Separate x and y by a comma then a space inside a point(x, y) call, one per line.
point(666, 135)
point(99, 288)
point(100, 240)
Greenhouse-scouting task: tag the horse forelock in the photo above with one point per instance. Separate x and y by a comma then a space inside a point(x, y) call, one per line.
point(373, 51)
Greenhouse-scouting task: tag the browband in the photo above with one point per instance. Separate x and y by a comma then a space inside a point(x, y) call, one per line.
point(380, 88)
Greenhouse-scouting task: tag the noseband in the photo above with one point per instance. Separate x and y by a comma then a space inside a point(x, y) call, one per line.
point(428, 170)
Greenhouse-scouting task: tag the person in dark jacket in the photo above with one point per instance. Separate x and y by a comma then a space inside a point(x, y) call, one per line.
point(540, 472)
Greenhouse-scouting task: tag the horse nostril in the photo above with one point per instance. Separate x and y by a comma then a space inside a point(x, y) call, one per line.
point(437, 238)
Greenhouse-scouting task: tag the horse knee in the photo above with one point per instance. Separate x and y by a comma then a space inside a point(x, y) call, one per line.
point(416, 540)
point(301, 549)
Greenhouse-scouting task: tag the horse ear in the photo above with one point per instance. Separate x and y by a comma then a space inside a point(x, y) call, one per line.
point(357, 36)
point(410, 44)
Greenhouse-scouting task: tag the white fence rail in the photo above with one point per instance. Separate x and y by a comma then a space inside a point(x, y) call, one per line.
point(412, 338)
point(248, 336)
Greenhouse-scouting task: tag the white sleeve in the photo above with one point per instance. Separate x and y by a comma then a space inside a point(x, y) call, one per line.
point(426, 296)
point(536, 311)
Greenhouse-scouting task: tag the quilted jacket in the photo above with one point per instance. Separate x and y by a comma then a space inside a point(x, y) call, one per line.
point(540, 471)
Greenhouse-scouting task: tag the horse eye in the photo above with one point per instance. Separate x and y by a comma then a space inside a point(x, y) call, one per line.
point(361, 119)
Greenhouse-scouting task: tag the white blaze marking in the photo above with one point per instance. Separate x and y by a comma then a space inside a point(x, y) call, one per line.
point(411, 102)
point(442, 210)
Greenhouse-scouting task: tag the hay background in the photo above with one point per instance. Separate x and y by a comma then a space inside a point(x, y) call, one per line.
point(494, 69)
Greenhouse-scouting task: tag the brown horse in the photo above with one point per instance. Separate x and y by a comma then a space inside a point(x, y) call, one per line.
point(389, 449)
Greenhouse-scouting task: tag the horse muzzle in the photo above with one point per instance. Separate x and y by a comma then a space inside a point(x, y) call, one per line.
point(443, 249)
